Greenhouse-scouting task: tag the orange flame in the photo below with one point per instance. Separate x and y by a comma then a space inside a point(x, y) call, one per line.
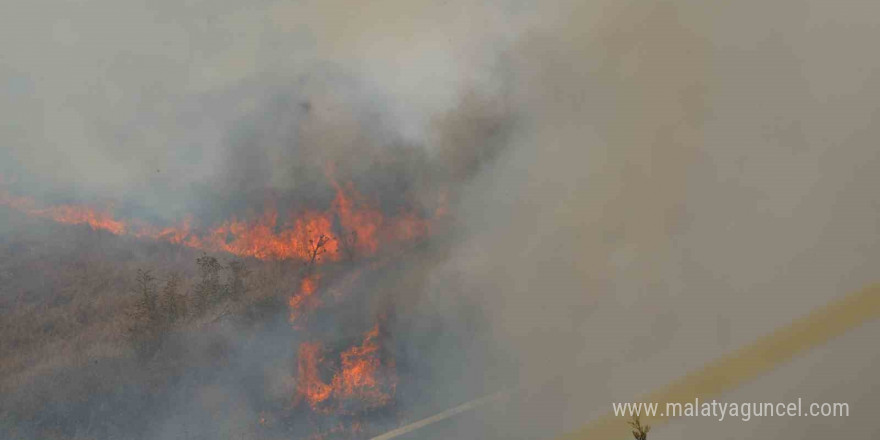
point(358, 219)
point(361, 379)
point(75, 215)
point(358, 378)
point(362, 226)
point(258, 239)
point(69, 214)
point(310, 386)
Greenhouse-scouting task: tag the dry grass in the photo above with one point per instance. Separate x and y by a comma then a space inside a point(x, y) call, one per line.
point(69, 304)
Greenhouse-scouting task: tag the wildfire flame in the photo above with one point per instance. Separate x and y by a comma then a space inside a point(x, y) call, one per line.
point(362, 379)
point(357, 380)
point(310, 386)
point(69, 214)
point(362, 228)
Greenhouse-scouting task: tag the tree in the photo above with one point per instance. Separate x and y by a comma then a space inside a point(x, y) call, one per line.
point(316, 249)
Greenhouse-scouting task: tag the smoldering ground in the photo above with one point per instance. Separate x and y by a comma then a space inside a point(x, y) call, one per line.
point(674, 180)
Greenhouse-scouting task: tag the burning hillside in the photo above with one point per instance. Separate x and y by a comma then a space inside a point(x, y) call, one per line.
point(350, 225)
point(345, 383)
point(362, 380)
point(289, 282)
point(69, 214)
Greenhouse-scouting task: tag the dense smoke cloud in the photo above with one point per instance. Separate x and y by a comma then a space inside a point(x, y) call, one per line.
point(144, 101)
point(691, 177)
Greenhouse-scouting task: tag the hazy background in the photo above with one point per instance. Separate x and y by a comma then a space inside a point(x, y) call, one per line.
point(675, 179)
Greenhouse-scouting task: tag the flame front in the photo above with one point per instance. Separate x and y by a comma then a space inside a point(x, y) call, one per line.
point(258, 239)
point(69, 214)
point(362, 381)
point(359, 379)
point(310, 386)
point(352, 382)
point(361, 228)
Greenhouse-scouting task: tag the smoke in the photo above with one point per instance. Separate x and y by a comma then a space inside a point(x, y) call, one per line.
point(636, 188)
point(163, 112)
point(688, 177)
point(150, 103)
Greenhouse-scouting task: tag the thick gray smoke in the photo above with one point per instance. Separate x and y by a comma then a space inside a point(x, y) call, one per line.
point(692, 176)
point(151, 102)
point(637, 187)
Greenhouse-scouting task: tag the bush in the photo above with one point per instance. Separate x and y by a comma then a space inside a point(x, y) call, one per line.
point(210, 290)
point(155, 313)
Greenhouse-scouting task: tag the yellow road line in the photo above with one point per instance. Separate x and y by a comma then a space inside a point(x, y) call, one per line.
point(749, 362)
